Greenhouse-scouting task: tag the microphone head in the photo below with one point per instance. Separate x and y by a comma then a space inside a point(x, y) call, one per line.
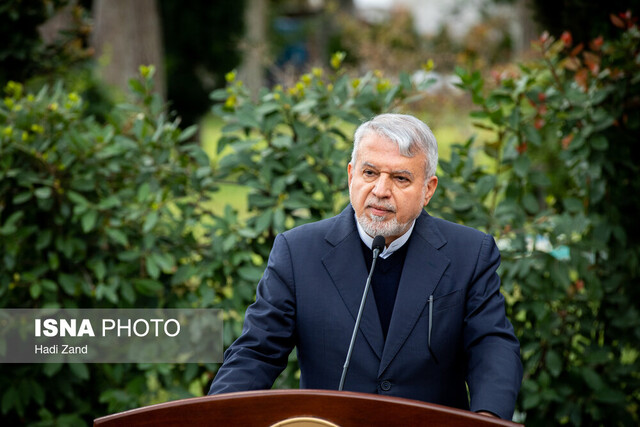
point(378, 243)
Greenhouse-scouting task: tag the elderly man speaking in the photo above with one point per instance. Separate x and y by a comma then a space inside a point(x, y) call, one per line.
point(433, 327)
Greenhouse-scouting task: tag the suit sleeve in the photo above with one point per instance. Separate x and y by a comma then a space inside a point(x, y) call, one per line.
point(494, 368)
point(258, 356)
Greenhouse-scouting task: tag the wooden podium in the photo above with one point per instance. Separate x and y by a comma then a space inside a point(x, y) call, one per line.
point(294, 408)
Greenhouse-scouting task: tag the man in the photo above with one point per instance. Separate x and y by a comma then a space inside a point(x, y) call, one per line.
point(434, 321)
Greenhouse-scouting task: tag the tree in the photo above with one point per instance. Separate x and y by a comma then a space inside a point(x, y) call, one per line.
point(128, 34)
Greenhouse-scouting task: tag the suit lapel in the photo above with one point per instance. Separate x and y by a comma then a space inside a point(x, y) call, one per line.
point(346, 266)
point(423, 268)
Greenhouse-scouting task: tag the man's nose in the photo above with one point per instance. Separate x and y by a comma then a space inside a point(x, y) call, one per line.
point(382, 188)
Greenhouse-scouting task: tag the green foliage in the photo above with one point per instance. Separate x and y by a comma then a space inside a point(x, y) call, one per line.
point(291, 148)
point(557, 186)
point(98, 215)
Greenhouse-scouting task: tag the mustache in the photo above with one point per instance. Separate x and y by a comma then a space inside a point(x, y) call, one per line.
point(377, 203)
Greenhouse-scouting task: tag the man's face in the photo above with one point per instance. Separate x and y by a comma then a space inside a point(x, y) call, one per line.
point(388, 190)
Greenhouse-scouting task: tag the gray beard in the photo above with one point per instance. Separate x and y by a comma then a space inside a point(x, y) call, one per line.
point(376, 226)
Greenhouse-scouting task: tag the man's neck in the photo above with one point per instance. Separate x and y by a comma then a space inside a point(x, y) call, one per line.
point(391, 247)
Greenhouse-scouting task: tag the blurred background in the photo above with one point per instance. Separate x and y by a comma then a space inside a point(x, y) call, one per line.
point(98, 45)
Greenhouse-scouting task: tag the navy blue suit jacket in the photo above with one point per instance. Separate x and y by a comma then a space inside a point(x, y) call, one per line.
point(309, 296)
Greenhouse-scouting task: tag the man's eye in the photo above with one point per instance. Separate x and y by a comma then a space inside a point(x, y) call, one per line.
point(367, 172)
point(402, 178)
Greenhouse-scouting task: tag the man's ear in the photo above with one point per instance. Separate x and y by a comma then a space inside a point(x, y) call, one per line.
point(432, 184)
point(349, 174)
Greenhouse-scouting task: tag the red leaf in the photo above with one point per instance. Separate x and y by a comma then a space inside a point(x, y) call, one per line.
point(581, 77)
point(566, 38)
point(522, 148)
point(576, 50)
point(596, 43)
point(617, 21)
point(592, 61)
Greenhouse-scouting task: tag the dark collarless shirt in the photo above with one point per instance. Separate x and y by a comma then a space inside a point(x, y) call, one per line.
point(385, 281)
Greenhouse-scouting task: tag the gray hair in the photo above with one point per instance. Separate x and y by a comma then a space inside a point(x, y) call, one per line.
point(410, 134)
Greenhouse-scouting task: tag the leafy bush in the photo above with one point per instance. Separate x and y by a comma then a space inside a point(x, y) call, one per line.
point(98, 215)
point(557, 185)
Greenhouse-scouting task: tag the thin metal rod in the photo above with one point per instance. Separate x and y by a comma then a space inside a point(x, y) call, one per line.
point(358, 318)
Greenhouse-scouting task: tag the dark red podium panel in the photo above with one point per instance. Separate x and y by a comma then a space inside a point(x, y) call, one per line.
point(266, 408)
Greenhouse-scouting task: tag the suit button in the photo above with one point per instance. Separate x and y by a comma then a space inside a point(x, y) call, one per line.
point(385, 385)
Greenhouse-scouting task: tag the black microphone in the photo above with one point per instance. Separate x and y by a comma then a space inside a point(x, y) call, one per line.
point(377, 246)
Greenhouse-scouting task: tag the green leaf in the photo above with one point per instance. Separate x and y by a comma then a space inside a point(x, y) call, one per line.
point(264, 221)
point(554, 363)
point(109, 203)
point(143, 192)
point(44, 239)
point(43, 192)
point(68, 283)
point(128, 293)
point(304, 106)
point(485, 184)
point(521, 166)
point(77, 198)
point(9, 400)
point(250, 273)
point(79, 370)
point(611, 396)
point(137, 86)
point(100, 269)
point(219, 95)
point(592, 379)
point(572, 204)
point(278, 220)
point(599, 142)
point(117, 236)
point(22, 198)
point(530, 203)
point(49, 285)
point(531, 400)
point(152, 267)
point(188, 133)
point(147, 286)
point(165, 261)
point(150, 221)
point(50, 369)
point(282, 141)
point(462, 204)
point(10, 225)
point(88, 220)
point(532, 135)
point(35, 290)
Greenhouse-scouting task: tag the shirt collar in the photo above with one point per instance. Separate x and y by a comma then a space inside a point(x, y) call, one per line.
point(394, 246)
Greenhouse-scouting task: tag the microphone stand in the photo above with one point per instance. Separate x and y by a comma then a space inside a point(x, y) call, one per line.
point(378, 244)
